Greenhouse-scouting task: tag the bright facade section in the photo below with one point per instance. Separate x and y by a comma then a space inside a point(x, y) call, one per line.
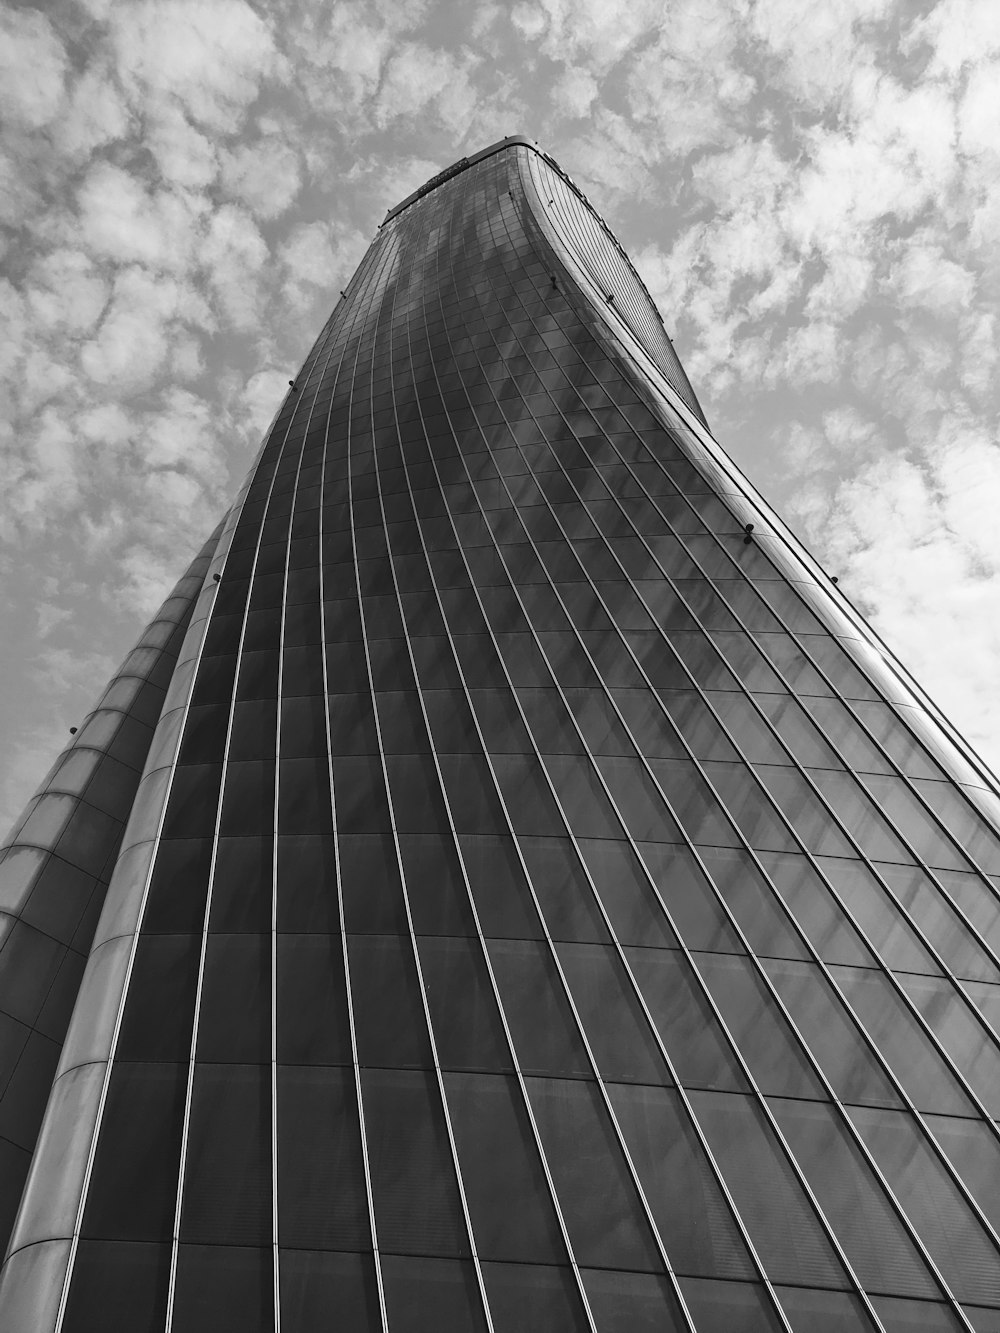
point(545, 908)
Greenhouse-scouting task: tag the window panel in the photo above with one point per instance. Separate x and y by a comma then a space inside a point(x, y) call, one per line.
point(512, 1215)
point(905, 1046)
point(322, 1202)
point(140, 1140)
point(388, 1012)
point(943, 1220)
point(587, 1163)
point(312, 1026)
point(532, 1298)
point(879, 918)
point(227, 1182)
point(416, 1203)
point(425, 1295)
point(968, 1041)
point(467, 1027)
point(729, 1307)
point(874, 1240)
point(690, 1211)
point(544, 1032)
point(781, 1222)
point(695, 1042)
point(768, 1045)
point(753, 902)
point(618, 1031)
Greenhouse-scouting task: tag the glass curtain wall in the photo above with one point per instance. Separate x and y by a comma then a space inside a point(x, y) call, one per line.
point(534, 918)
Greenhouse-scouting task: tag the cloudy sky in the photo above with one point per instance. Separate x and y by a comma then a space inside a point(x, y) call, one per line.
point(811, 192)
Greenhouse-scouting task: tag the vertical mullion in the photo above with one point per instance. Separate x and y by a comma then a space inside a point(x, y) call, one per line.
point(553, 1198)
point(358, 317)
point(192, 1062)
point(936, 1043)
point(392, 816)
point(766, 980)
point(98, 1123)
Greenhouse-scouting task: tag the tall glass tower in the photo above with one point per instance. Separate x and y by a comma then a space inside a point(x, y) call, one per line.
point(508, 887)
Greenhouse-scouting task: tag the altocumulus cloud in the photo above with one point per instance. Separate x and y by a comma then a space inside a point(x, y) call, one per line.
point(814, 199)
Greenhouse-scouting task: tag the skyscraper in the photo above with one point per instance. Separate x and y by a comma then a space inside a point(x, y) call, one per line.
point(543, 904)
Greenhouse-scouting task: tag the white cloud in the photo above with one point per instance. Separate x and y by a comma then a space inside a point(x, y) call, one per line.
point(96, 114)
point(233, 254)
point(123, 221)
point(33, 67)
point(575, 91)
point(418, 76)
point(264, 175)
point(210, 58)
point(184, 155)
point(925, 278)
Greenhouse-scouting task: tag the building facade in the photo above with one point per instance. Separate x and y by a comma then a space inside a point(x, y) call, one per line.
point(508, 887)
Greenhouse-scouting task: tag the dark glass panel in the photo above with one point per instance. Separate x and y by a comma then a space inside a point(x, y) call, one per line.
point(692, 1217)
point(227, 1179)
point(879, 917)
point(531, 1298)
point(940, 922)
point(254, 730)
point(973, 1148)
point(140, 1140)
point(505, 1187)
point(224, 1286)
point(697, 807)
point(782, 1225)
point(612, 1016)
point(874, 1239)
point(388, 1011)
point(307, 884)
point(545, 1036)
point(898, 1315)
point(586, 1162)
point(234, 1016)
point(311, 1002)
point(834, 1041)
point(118, 1285)
point(248, 798)
point(159, 1009)
point(526, 795)
point(729, 1307)
point(435, 887)
point(178, 886)
point(467, 1028)
point(359, 789)
point(812, 1311)
point(954, 1237)
point(632, 1302)
point(499, 888)
point(775, 1058)
point(753, 902)
point(322, 1202)
point(303, 727)
point(427, 1295)
point(563, 890)
point(304, 795)
point(416, 1202)
point(470, 792)
point(814, 907)
point(694, 1041)
point(688, 897)
point(905, 1046)
point(970, 1044)
point(623, 886)
point(370, 884)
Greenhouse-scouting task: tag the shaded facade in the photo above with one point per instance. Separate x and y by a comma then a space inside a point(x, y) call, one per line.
point(545, 905)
